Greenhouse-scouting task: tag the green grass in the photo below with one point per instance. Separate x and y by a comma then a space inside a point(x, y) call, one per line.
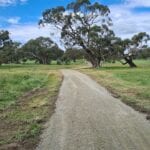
point(27, 99)
point(18, 79)
point(131, 85)
point(14, 84)
point(28, 94)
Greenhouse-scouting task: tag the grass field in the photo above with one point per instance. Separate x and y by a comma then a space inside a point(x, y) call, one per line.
point(27, 99)
point(28, 94)
point(131, 85)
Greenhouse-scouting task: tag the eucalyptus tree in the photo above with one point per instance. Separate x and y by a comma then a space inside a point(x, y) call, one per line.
point(4, 38)
point(83, 24)
point(5, 44)
point(42, 50)
point(126, 49)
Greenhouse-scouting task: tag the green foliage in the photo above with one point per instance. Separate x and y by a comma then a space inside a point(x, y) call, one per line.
point(4, 38)
point(84, 25)
point(59, 62)
point(42, 50)
point(5, 44)
point(143, 53)
point(9, 50)
point(140, 38)
point(31, 132)
point(73, 55)
point(128, 49)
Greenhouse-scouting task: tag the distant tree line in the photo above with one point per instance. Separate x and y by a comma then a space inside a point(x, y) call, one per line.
point(43, 50)
point(143, 54)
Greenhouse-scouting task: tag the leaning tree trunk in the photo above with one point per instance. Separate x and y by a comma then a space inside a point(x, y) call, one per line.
point(130, 62)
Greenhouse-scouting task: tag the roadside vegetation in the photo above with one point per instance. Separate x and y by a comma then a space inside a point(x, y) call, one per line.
point(27, 100)
point(132, 86)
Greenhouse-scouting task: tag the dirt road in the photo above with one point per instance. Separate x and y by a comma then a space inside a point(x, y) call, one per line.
point(87, 117)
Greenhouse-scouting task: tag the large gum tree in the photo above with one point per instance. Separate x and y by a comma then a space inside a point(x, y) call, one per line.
point(85, 25)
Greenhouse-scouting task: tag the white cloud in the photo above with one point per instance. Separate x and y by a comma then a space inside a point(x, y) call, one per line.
point(14, 20)
point(11, 2)
point(127, 22)
point(23, 33)
point(137, 3)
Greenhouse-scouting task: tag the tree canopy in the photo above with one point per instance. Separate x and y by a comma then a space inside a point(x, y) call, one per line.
point(128, 48)
point(73, 54)
point(83, 24)
point(6, 45)
point(42, 49)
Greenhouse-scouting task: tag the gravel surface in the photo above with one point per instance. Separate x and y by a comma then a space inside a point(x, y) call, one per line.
point(87, 117)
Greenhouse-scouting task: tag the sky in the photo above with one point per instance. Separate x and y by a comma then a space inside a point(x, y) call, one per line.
point(20, 17)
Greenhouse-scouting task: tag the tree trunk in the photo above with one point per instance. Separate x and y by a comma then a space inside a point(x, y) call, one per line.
point(130, 62)
point(74, 60)
point(95, 60)
point(96, 63)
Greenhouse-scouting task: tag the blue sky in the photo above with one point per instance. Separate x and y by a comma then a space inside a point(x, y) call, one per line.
point(20, 17)
point(29, 10)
